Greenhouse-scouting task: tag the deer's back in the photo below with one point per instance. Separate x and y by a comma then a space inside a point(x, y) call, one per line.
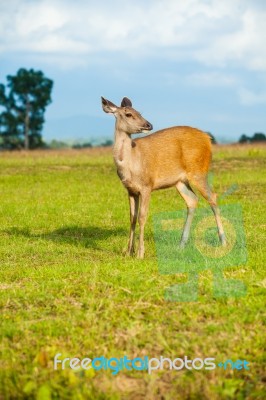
point(170, 154)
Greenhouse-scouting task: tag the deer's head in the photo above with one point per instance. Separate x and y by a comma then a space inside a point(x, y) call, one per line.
point(127, 118)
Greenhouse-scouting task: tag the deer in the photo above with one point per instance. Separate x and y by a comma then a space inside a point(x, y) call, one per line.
point(178, 156)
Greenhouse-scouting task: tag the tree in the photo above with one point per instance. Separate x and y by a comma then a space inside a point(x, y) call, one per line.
point(213, 140)
point(21, 122)
point(258, 137)
point(57, 144)
point(81, 145)
point(107, 143)
point(244, 139)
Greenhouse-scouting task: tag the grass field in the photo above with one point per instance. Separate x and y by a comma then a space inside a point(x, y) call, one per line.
point(66, 287)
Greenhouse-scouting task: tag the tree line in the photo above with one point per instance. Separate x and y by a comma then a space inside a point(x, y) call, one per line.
point(23, 101)
point(257, 137)
point(59, 144)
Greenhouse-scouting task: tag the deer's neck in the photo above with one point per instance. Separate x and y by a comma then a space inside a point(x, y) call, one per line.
point(123, 157)
point(122, 149)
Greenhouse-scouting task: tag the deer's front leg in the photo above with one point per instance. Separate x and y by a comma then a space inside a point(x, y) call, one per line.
point(144, 205)
point(134, 208)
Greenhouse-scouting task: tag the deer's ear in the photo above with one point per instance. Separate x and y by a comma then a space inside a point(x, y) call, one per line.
point(108, 106)
point(126, 102)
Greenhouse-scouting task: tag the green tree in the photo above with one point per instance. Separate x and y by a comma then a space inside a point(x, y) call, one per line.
point(57, 144)
point(244, 139)
point(258, 137)
point(213, 140)
point(24, 101)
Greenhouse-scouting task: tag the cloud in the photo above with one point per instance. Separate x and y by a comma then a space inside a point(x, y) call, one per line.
point(211, 32)
point(245, 46)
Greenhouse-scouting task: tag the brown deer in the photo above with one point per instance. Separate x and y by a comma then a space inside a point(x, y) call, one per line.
point(179, 156)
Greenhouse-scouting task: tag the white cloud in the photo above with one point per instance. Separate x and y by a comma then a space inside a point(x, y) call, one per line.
point(245, 46)
point(214, 32)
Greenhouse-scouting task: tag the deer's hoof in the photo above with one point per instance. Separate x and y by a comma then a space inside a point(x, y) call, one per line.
point(182, 245)
point(128, 252)
point(140, 254)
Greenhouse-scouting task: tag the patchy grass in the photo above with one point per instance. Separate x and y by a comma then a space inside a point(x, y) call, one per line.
point(66, 288)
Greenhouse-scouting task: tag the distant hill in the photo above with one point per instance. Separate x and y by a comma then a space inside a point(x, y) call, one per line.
point(79, 127)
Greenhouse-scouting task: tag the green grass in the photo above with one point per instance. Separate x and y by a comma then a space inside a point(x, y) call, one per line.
point(66, 288)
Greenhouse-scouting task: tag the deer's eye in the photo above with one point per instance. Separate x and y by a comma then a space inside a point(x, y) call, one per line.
point(128, 115)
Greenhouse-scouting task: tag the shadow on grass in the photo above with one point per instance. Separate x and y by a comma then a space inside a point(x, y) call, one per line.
point(88, 237)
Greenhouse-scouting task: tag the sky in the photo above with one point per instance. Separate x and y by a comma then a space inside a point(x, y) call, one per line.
point(200, 63)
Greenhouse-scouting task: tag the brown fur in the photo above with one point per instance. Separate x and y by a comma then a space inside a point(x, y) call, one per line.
point(174, 151)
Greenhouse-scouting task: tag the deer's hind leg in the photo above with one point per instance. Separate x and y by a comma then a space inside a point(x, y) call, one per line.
point(191, 201)
point(200, 182)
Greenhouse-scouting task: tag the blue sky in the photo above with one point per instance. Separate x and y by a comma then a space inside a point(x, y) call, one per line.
point(183, 62)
